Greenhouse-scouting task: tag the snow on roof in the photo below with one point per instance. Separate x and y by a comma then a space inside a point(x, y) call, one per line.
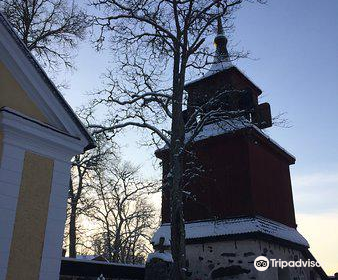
point(225, 127)
point(232, 227)
point(100, 262)
point(218, 67)
point(215, 129)
point(273, 141)
point(165, 256)
point(214, 69)
point(229, 126)
point(86, 257)
point(219, 128)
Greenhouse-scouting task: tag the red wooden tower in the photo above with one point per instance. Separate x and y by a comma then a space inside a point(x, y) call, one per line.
point(240, 206)
point(245, 172)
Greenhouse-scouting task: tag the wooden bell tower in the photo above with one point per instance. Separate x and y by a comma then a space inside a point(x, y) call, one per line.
point(246, 173)
point(240, 206)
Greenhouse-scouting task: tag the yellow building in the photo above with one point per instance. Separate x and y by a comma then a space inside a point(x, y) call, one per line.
point(39, 134)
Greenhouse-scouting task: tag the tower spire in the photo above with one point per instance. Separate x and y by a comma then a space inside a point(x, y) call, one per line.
point(221, 59)
point(221, 43)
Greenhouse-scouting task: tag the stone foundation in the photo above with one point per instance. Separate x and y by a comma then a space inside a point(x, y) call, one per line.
point(235, 260)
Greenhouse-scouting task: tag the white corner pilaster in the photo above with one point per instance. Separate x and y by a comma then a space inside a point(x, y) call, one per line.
point(52, 250)
point(11, 165)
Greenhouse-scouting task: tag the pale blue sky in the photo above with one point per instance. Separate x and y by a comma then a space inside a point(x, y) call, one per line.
point(295, 46)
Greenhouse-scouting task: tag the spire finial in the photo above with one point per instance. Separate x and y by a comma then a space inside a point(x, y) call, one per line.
point(221, 58)
point(221, 41)
point(220, 30)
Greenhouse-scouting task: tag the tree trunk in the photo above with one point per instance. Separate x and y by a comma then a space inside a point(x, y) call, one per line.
point(72, 232)
point(109, 242)
point(177, 146)
point(116, 248)
point(177, 223)
point(72, 221)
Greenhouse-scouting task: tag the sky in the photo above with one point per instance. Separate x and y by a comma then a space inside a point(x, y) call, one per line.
point(293, 49)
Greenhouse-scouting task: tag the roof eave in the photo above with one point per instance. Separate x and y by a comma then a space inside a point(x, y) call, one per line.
point(232, 68)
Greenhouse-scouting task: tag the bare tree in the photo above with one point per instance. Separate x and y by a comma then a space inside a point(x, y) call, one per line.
point(84, 168)
point(158, 44)
point(120, 207)
point(50, 29)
